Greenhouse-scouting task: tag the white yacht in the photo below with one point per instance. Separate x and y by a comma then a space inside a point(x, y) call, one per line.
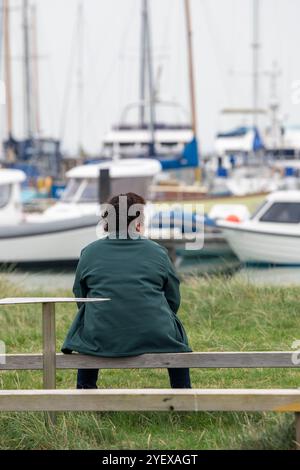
point(271, 235)
point(134, 140)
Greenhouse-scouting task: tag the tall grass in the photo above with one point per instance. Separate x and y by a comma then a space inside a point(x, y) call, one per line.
point(219, 314)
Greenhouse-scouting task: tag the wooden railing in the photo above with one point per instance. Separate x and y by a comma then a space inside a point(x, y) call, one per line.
point(51, 400)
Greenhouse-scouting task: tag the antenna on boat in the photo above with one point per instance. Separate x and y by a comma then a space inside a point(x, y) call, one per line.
point(274, 106)
point(191, 76)
point(27, 73)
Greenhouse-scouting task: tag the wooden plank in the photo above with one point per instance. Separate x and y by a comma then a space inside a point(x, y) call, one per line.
point(297, 424)
point(41, 300)
point(49, 346)
point(49, 351)
point(150, 400)
point(270, 359)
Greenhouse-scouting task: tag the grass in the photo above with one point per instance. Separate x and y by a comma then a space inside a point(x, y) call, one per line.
point(219, 314)
point(252, 201)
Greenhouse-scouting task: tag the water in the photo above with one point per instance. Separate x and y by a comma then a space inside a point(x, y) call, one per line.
point(49, 279)
point(281, 276)
point(39, 280)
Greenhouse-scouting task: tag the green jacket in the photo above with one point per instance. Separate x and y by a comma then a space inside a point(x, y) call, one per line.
point(139, 278)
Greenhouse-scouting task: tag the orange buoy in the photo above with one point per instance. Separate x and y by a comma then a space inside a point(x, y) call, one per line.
point(233, 218)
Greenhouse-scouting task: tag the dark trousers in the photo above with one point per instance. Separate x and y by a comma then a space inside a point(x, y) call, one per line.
point(179, 378)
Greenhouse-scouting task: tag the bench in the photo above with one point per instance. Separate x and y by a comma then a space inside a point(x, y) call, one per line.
point(51, 400)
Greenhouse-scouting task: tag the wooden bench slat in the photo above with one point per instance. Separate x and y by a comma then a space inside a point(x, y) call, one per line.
point(51, 300)
point(269, 359)
point(151, 400)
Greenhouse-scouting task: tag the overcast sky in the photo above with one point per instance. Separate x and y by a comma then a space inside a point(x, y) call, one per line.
point(111, 31)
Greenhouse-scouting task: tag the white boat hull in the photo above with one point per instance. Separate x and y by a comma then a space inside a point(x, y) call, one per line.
point(264, 248)
point(61, 244)
point(62, 241)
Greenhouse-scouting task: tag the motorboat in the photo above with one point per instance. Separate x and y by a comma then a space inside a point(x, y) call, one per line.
point(63, 230)
point(271, 235)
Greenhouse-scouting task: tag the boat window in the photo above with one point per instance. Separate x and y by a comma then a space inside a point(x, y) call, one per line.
point(138, 185)
point(283, 213)
point(90, 192)
point(258, 209)
point(5, 190)
point(71, 190)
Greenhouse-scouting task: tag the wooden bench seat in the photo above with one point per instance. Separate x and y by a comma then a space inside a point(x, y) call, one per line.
point(281, 400)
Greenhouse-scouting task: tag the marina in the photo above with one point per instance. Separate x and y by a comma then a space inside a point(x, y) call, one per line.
point(58, 198)
point(149, 228)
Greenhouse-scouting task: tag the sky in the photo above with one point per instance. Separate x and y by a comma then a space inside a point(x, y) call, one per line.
point(110, 31)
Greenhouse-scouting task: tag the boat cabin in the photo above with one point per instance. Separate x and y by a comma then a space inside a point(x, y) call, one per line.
point(83, 190)
point(125, 175)
point(10, 196)
point(129, 139)
point(281, 207)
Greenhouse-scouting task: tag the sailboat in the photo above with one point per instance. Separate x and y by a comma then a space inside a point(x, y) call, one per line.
point(243, 162)
point(173, 144)
point(37, 156)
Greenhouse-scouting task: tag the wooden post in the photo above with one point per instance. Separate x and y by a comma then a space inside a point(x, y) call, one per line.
point(49, 352)
point(297, 423)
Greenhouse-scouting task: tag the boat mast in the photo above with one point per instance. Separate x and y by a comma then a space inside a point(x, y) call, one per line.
point(35, 69)
point(191, 66)
point(147, 67)
point(1, 30)
point(27, 74)
point(255, 63)
point(142, 65)
point(191, 76)
point(150, 81)
point(80, 78)
point(7, 62)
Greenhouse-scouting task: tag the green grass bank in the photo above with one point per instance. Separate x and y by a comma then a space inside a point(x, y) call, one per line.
point(219, 315)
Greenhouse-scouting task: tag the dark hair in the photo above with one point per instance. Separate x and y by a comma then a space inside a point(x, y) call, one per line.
point(131, 200)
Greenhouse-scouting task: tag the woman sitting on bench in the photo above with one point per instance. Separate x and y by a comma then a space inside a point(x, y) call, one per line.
point(137, 275)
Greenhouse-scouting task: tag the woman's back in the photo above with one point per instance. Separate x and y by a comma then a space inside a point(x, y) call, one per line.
point(138, 277)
